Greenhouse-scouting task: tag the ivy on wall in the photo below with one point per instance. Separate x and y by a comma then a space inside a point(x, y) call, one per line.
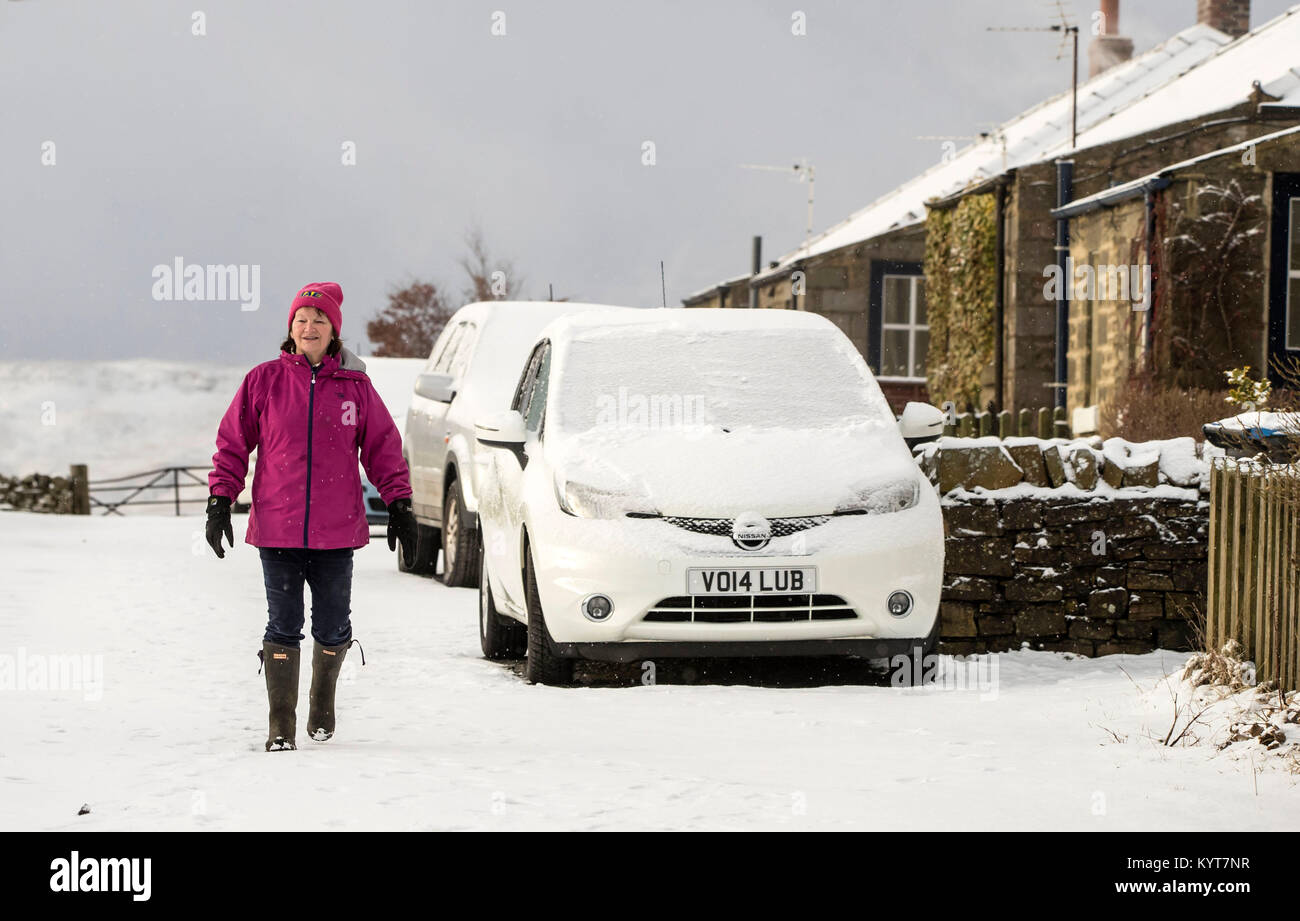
point(960, 282)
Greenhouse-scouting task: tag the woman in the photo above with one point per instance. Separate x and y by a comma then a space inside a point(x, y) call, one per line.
point(308, 413)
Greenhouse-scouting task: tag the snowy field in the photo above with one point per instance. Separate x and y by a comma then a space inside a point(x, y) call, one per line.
point(431, 736)
point(123, 417)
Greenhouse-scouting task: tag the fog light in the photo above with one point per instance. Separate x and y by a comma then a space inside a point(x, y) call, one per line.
point(900, 603)
point(597, 607)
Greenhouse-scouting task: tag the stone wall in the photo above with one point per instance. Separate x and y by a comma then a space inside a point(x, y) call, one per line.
point(1090, 576)
point(1079, 546)
point(1111, 467)
point(37, 492)
point(1106, 333)
point(1029, 335)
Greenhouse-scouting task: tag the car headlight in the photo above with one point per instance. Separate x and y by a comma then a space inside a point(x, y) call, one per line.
point(584, 501)
point(882, 499)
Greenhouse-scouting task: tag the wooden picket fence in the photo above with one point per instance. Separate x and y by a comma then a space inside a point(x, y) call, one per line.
point(1253, 591)
point(1040, 423)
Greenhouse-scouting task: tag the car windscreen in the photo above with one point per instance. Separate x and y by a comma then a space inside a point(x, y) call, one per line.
point(659, 378)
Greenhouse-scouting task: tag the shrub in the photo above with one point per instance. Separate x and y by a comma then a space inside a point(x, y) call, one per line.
point(1145, 411)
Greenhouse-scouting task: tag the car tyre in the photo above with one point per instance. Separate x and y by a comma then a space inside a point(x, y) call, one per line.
point(499, 636)
point(461, 545)
point(544, 665)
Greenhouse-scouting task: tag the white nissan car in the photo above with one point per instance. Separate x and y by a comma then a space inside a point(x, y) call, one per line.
point(695, 482)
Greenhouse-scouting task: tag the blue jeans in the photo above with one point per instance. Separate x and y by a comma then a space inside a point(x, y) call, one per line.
point(329, 573)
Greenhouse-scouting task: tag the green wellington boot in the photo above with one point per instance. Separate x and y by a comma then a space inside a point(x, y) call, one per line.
point(326, 661)
point(281, 663)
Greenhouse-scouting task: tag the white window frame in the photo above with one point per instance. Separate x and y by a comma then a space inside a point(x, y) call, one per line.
point(1293, 273)
point(912, 326)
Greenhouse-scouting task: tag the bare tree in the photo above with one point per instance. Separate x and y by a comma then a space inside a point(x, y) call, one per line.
point(489, 279)
point(411, 323)
point(415, 316)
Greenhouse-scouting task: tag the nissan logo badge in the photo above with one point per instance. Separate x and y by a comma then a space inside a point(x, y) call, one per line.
point(751, 532)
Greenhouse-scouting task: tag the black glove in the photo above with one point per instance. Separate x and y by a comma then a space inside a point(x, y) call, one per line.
point(218, 524)
point(401, 526)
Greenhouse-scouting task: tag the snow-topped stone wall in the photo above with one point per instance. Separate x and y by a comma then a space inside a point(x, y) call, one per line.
point(1107, 556)
point(1077, 466)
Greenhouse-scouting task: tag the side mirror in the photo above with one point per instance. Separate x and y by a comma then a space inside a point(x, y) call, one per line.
point(500, 430)
point(921, 422)
point(435, 386)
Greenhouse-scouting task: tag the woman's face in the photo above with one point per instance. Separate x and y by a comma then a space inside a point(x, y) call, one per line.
point(311, 332)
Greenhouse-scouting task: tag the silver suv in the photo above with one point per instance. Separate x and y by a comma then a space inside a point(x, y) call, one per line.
point(472, 371)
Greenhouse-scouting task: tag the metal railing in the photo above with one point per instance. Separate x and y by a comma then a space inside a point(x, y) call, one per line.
point(164, 478)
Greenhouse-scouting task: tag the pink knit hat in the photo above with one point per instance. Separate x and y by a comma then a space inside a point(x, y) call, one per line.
point(326, 297)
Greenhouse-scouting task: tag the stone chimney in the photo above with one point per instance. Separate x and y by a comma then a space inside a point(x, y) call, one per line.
point(1231, 17)
point(1108, 48)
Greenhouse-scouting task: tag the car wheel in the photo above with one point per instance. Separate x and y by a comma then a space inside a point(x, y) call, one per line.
point(460, 544)
point(499, 636)
point(426, 552)
point(544, 666)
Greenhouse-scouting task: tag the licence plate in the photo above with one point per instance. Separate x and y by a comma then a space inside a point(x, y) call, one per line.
point(751, 581)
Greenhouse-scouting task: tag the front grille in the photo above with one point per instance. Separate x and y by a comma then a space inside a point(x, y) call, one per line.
point(721, 527)
point(744, 609)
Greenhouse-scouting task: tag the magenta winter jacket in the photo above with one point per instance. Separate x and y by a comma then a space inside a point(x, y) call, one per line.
point(306, 488)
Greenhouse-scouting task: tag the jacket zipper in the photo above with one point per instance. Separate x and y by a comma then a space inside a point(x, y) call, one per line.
point(311, 415)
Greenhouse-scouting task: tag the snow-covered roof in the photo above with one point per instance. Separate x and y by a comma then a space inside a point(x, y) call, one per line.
point(1135, 186)
point(725, 283)
point(1269, 54)
point(1034, 135)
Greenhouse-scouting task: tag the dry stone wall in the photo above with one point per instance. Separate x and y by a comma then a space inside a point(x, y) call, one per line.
point(37, 492)
point(1112, 559)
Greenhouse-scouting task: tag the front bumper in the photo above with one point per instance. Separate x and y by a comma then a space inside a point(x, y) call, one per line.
point(632, 651)
point(639, 563)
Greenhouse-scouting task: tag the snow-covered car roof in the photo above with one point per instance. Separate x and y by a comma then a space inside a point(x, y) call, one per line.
point(751, 367)
point(507, 331)
point(683, 319)
point(1266, 423)
point(480, 309)
point(1276, 434)
point(705, 409)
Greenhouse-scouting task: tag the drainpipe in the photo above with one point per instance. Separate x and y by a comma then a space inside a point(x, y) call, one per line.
point(1064, 195)
point(999, 303)
point(1148, 339)
point(758, 267)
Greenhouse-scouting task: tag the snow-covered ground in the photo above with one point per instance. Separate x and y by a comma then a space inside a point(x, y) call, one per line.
point(123, 417)
point(431, 736)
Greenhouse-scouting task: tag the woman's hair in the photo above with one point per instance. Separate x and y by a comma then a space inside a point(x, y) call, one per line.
point(335, 346)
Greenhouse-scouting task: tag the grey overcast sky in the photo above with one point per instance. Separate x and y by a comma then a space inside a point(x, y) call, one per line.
point(226, 147)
